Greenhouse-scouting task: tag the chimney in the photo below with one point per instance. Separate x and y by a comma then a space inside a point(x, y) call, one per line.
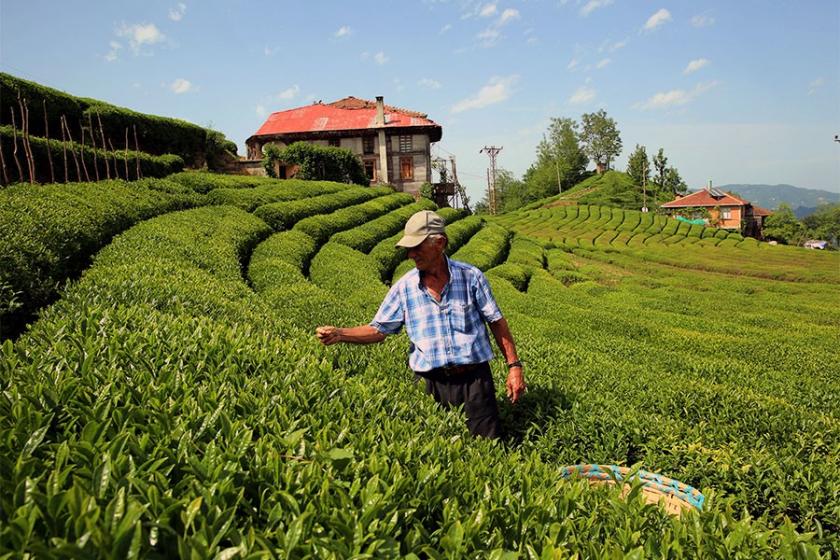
point(380, 111)
point(709, 187)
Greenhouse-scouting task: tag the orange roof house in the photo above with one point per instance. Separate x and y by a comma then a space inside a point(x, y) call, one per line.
point(394, 144)
point(724, 209)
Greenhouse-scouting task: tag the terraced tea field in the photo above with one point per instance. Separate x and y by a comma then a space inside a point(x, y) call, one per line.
point(172, 400)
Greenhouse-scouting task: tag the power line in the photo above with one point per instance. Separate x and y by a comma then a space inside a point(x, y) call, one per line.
point(492, 151)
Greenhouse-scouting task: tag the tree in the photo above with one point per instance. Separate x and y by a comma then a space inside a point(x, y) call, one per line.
point(600, 138)
point(561, 149)
point(783, 226)
point(660, 164)
point(673, 183)
point(638, 166)
point(511, 193)
point(824, 223)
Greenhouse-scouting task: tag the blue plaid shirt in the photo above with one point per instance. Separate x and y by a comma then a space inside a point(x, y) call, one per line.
point(447, 332)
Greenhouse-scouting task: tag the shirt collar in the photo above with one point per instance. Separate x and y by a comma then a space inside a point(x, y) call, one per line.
point(446, 286)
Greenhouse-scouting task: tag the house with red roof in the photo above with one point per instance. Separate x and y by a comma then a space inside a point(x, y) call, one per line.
point(721, 209)
point(394, 144)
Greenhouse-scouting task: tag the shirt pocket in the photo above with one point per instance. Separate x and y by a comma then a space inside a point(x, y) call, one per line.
point(462, 316)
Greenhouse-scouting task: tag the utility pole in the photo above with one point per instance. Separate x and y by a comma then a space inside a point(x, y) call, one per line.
point(459, 190)
point(492, 151)
point(644, 185)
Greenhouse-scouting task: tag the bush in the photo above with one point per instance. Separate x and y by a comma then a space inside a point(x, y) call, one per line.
point(322, 226)
point(516, 274)
point(273, 191)
point(285, 214)
point(317, 163)
point(195, 145)
point(48, 233)
point(95, 160)
point(486, 249)
point(348, 274)
point(281, 259)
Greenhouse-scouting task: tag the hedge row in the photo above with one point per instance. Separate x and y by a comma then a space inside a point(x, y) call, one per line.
point(323, 226)
point(348, 274)
point(485, 249)
point(284, 215)
point(205, 181)
point(155, 135)
point(317, 163)
point(275, 191)
point(48, 234)
point(86, 164)
point(281, 259)
point(364, 237)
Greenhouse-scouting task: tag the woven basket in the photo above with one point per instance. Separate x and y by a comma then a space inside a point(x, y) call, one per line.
point(675, 496)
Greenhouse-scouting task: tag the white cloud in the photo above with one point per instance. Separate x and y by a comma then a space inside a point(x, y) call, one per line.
point(695, 65)
point(343, 31)
point(181, 86)
point(380, 58)
point(507, 16)
point(177, 13)
point(815, 85)
point(488, 10)
point(488, 37)
point(573, 64)
point(289, 93)
point(497, 90)
point(702, 21)
point(111, 55)
point(657, 19)
point(582, 95)
point(271, 51)
point(429, 83)
point(676, 97)
point(603, 63)
point(593, 5)
point(140, 34)
point(398, 85)
point(260, 109)
point(445, 28)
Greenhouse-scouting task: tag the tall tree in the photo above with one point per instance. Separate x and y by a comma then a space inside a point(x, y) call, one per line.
point(660, 164)
point(561, 149)
point(600, 138)
point(638, 166)
point(673, 182)
point(783, 226)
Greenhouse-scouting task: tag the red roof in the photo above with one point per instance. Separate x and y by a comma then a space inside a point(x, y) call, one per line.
point(759, 211)
point(706, 197)
point(349, 113)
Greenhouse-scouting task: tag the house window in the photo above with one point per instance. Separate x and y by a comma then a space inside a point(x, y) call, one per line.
point(405, 144)
point(406, 168)
point(367, 145)
point(335, 142)
point(726, 214)
point(370, 169)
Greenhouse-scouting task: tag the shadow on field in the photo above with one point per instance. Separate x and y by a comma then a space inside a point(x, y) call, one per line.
point(537, 408)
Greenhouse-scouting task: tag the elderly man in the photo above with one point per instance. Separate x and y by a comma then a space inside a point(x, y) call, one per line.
point(444, 305)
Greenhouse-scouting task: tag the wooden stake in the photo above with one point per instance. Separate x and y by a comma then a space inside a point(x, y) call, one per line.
point(82, 152)
point(72, 151)
point(3, 163)
point(116, 161)
point(126, 154)
point(93, 141)
point(14, 141)
point(102, 135)
point(137, 149)
point(27, 149)
point(64, 148)
point(49, 144)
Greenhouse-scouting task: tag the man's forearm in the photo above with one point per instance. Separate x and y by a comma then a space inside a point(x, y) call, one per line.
point(501, 332)
point(363, 334)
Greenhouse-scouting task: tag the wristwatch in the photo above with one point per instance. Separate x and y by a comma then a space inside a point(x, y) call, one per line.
point(517, 363)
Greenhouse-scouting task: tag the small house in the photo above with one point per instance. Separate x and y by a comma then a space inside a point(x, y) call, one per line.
point(720, 209)
point(393, 144)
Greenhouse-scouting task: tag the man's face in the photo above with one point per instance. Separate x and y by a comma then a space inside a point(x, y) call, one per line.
point(427, 254)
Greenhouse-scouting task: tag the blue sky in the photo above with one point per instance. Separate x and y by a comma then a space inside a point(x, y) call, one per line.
point(735, 92)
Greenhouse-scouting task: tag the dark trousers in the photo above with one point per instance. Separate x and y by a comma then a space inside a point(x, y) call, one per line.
point(474, 390)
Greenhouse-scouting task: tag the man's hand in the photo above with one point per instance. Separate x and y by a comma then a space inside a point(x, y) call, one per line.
point(515, 384)
point(328, 334)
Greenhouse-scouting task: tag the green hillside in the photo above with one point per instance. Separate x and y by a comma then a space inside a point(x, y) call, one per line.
point(172, 399)
point(612, 188)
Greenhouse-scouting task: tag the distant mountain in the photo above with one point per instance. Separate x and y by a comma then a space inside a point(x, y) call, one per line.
point(770, 196)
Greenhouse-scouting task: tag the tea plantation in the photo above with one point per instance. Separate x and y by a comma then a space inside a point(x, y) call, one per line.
point(162, 393)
